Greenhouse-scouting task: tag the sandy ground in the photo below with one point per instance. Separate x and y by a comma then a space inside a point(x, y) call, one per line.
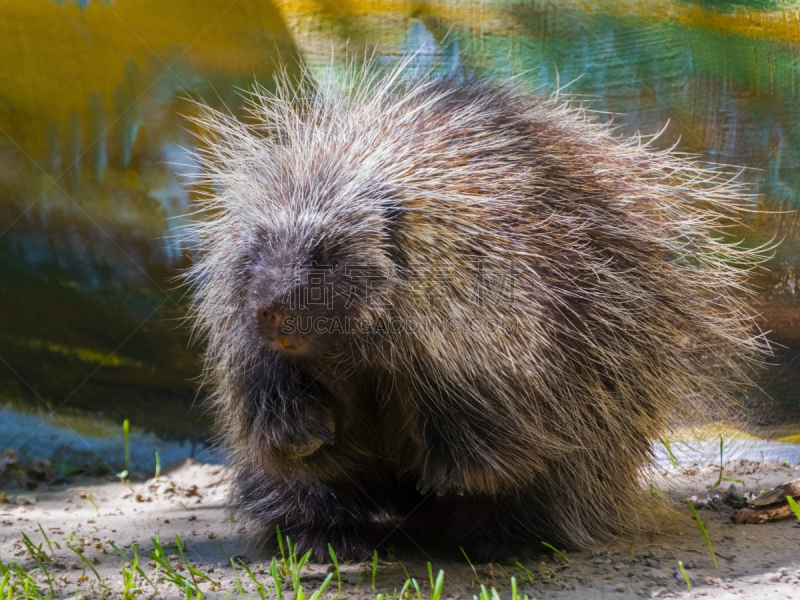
point(755, 561)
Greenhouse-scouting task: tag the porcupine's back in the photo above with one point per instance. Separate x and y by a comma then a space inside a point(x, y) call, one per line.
point(606, 304)
point(628, 309)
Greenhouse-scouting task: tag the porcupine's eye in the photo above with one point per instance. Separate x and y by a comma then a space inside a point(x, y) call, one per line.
point(333, 264)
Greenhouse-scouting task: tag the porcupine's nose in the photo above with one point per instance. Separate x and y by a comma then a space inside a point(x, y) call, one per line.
point(270, 319)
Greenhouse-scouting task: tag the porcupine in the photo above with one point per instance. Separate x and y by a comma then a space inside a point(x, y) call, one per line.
point(458, 295)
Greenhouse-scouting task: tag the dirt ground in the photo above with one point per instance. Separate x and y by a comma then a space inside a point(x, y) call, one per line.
point(755, 561)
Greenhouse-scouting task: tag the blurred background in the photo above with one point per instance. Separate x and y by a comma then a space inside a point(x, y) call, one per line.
point(94, 139)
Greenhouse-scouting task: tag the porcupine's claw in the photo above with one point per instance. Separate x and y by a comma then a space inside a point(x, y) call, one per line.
point(325, 434)
point(300, 436)
point(447, 484)
point(424, 487)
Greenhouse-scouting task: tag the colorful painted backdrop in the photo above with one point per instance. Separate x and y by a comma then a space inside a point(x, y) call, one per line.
point(93, 139)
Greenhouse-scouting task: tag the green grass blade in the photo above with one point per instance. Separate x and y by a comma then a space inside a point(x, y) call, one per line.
point(685, 576)
point(469, 562)
point(296, 566)
point(302, 562)
point(199, 573)
point(46, 539)
point(703, 531)
point(280, 543)
point(416, 588)
point(669, 451)
point(35, 551)
point(86, 563)
point(238, 583)
point(557, 551)
point(160, 556)
point(128, 577)
point(134, 546)
point(49, 580)
point(260, 587)
point(731, 479)
point(126, 430)
point(528, 573)
point(375, 568)
point(794, 506)
point(436, 592)
point(276, 577)
point(186, 562)
point(318, 594)
point(336, 569)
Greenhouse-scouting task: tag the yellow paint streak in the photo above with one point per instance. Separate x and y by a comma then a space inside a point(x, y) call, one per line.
point(778, 26)
point(87, 426)
point(83, 354)
point(496, 16)
point(54, 55)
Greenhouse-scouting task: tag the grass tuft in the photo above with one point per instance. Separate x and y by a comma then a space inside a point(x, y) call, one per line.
point(20, 583)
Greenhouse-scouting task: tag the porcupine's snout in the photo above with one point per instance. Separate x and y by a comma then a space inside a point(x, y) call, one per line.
point(270, 320)
point(270, 307)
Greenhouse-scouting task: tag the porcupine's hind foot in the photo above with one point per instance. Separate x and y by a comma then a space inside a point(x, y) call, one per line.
point(311, 515)
point(558, 512)
point(491, 528)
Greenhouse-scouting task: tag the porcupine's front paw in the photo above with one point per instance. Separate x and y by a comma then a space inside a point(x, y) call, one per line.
point(313, 515)
point(304, 435)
